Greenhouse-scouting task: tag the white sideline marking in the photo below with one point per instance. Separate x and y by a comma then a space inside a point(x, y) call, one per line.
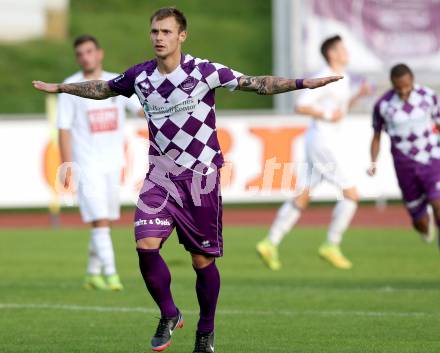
point(112, 309)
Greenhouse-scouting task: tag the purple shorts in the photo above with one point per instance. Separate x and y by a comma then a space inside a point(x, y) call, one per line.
point(192, 206)
point(420, 184)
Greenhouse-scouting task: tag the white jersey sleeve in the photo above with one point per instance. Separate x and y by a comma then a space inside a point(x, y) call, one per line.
point(132, 104)
point(308, 97)
point(65, 111)
point(312, 97)
point(335, 96)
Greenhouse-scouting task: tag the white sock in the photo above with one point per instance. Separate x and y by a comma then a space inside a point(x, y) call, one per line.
point(104, 248)
point(429, 236)
point(341, 218)
point(286, 217)
point(94, 265)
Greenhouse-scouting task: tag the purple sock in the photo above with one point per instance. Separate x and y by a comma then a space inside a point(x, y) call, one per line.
point(438, 233)
point(157, 278)
point(207, 288)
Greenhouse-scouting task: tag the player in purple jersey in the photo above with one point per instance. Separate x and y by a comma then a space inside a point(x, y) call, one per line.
point(182, 187)
point(408, 112)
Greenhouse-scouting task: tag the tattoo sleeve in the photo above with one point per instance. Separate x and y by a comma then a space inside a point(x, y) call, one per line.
point(96, 89)
point(266, 85)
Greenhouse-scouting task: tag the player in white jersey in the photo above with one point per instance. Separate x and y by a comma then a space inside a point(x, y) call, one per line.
point(327, 106)
point(91, 138)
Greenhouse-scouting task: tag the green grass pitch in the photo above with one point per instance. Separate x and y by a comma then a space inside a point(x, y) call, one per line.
point(388, 303)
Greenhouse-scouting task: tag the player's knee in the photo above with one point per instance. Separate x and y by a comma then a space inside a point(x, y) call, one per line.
point(421, 224)
point(148, 243)
point(100, 223)
point(201, 261)
point(351, 194)
point(436, 211)
point(302, 201)
point(420, 227)
point(301, 204)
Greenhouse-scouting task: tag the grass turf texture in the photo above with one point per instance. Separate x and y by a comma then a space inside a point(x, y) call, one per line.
point(387, 303)
point(234, 33)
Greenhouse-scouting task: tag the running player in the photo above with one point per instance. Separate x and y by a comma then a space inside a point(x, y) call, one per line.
point(182, 187)
point(91, 135)
point(408, 113)
point(327, 107)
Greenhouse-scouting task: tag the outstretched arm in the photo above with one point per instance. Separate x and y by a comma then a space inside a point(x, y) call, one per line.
point(65, 143)
point(96, 89)
point(332, 116)
point(365, 90)
point(374, 152)
point(268, 85)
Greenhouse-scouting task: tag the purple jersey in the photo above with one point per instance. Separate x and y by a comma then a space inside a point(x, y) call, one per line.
point(180, 107)
point(410, 125)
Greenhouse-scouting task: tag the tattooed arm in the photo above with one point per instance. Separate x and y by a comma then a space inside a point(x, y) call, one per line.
point(268, 85)
point(96, 89)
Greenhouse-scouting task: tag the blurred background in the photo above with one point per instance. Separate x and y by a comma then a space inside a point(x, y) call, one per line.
point(36, 41)
point(280, 37)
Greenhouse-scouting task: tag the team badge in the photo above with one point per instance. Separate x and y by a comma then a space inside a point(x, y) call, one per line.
point(188, 84)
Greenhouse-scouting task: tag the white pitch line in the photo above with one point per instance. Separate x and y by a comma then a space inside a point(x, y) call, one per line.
point(112, 309)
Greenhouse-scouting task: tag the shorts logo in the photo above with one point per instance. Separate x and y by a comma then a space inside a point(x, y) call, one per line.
point(140, 222)
point(162, 222)
point(206, 244)
point(437, 185)
point(157, 221)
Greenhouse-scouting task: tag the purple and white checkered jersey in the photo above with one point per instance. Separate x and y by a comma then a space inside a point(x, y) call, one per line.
point(180, 107)
point(410, 124)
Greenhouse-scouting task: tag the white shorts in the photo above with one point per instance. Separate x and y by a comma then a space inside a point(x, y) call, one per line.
point(98, 195)
point(322, 164)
